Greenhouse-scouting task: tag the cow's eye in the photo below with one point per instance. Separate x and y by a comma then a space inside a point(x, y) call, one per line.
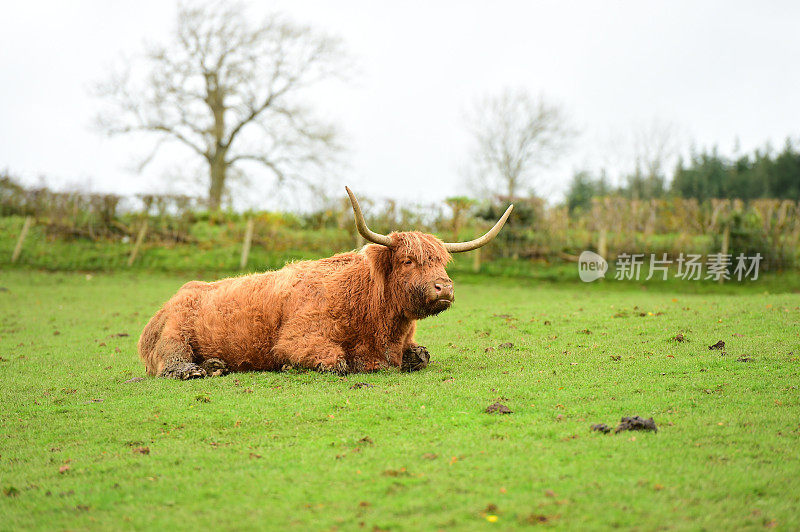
point(408, 262)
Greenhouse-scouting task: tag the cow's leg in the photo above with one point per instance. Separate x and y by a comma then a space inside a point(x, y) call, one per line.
point(174, 358)
point(310, 351)
point(178, 365)
point(414, 357)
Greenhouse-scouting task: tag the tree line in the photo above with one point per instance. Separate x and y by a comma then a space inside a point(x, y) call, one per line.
point(705, 175)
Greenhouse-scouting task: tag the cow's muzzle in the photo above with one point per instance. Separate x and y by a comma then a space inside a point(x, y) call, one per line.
point(444, 295)
point(444, 290)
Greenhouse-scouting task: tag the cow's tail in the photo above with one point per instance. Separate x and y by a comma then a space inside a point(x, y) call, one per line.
point(147, 342)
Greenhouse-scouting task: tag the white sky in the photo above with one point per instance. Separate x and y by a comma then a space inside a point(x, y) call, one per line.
point(716, 71)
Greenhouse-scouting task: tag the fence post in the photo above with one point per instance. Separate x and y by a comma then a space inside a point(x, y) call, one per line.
point(138, 244)
point(726, 237)
point(248, 238)
point(18, 248)
point(476, 260)
point(602, 244)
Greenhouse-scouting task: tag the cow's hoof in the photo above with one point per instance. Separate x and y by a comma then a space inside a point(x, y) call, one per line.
point(338, 368)
point(415, 358)
point(214, 367)
point(184, 372)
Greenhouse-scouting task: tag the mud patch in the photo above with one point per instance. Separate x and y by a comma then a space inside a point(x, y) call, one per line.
point(402, 472)
point(497, 408)
point(680, 338)
point(538, 519)
point(627, 423)
point(719, 345)
point(359, 385)
point(636, 423)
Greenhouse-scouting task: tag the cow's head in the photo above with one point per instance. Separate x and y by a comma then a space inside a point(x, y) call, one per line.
point(413, 264)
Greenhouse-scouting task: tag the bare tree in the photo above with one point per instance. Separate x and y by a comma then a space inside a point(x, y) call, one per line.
point(232, 93)
point(641, 158)
point(654, 150)
point(513, 135)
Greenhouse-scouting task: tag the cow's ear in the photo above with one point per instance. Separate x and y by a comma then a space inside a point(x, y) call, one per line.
point(380, 260)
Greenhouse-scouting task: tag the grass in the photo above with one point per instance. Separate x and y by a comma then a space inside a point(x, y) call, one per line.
point(414, 451)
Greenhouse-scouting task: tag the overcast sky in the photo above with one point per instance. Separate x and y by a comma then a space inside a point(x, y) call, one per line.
point(716, 72)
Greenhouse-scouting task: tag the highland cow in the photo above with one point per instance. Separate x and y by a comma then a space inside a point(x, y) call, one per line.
point(353, 312)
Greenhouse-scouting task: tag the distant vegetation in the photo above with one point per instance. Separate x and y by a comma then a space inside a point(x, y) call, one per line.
point(98, 231)
point(706, 175)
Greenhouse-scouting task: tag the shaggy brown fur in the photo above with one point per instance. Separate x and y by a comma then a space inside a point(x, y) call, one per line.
point(348, 313)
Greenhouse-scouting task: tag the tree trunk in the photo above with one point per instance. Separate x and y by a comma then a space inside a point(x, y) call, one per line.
point(215, 98)
point(218, 172)
point(456, 222)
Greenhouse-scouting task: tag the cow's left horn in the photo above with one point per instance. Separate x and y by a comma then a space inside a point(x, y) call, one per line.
point(362, 225)
point(458, 247)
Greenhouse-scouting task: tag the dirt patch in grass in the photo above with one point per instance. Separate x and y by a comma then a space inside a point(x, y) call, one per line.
point(636, 423)
point(402, 472)
point(538, 519)
point(627, 423)
point(497, 408)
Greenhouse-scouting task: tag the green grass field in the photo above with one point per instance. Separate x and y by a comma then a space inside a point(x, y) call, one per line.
point(81, 448)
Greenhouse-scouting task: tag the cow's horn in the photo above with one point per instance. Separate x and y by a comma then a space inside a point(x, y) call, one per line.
point(362, 225)
point(457, 247)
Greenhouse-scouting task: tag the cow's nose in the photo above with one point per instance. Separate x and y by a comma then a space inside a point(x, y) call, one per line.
point(444, 288)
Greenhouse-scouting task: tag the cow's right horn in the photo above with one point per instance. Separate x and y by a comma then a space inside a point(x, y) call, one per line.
point(457, 247)
point(362, 225)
